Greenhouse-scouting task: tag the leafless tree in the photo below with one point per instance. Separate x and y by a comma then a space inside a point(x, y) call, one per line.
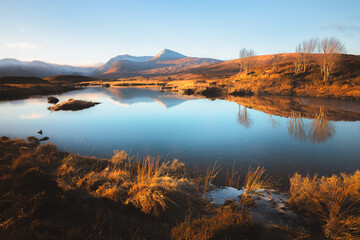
point(308, 48)
point(303, 54)
point(275, 62)
point(298, 59)
point(330, 50)
point(246, 59)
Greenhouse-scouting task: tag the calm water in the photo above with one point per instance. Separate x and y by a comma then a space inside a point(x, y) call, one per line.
point(287, 135)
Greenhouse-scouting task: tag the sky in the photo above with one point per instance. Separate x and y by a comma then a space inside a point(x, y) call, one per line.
point(89, 32)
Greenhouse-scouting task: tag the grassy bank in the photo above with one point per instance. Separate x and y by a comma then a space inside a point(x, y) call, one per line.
point(50, 194)
point(25, 87)
point(268, 75)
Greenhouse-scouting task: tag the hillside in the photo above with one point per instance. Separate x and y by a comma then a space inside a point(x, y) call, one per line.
point(68, 79)
point(274, 75)
point(22, 80)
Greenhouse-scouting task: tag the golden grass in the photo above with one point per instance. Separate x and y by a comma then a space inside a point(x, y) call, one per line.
point(257, 179)
point(205, 182)
point(331, 201)
point(142, 182)
point(226, 223)
point(149, 181)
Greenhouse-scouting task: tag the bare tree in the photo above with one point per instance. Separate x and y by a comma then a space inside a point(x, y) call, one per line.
point(308, 48)
point(275, 62)
point(245, 57)
point(331, 50)
point(298, 59)
point(303, 54)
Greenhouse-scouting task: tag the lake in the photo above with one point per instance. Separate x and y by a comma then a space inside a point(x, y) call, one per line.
point(284, 135)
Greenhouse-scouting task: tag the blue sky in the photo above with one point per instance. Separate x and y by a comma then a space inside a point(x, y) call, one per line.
point(84, 32)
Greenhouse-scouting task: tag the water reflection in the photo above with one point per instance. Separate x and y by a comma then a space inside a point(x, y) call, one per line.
point(297, 127)
point(321, 129)
point(243, 117)
point(274, 123)
point(281, 134)
point(128, 96)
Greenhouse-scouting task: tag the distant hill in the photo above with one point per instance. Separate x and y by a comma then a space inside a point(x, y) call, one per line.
point(14, 67)
point(68, 79)
point(22, 80)
point(165, 62)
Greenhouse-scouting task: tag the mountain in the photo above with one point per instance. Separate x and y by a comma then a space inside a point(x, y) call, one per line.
point(167, 54)
point(14, 67)
point(125, 57)
point(165, 62)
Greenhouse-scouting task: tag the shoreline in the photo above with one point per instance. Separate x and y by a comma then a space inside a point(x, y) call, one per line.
point(42, 186)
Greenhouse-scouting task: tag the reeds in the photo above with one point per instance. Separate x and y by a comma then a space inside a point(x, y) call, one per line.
point(331, 201)
point(257, 179)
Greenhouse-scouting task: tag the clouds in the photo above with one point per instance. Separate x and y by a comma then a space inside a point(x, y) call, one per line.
point(21, 46)
point(32, 116)
point(343, 28)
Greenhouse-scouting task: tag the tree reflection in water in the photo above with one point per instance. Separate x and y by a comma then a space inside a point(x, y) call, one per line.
point(243, 117)
point(321, 129)
point(297, 127)
point(274, 123)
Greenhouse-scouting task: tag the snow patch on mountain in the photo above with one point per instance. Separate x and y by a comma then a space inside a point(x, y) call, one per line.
point(125, 57)
point(167, 54)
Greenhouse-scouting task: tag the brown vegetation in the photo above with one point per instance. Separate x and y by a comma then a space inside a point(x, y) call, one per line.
point(333, 202)
point(49, 194)
point(46, 193)
point(269, 75)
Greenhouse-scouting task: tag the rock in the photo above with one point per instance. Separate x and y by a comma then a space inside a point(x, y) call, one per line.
point(4, 138)
point(40, 132)
point(44, 139)
point(53, 100)
point(73, 105)
point(32, 139)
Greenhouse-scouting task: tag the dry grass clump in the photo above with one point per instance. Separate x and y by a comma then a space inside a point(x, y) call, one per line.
point(141, 182)
point(331, 201)
point(204, 182)
point(257, 179)
point(226, 223)
point(150, 181)
point(45, 156)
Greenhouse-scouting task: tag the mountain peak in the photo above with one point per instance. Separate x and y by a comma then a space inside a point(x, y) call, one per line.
point(168, 54)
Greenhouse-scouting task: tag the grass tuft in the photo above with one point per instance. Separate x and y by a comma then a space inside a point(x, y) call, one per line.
point(257, 179)
point(333, 202)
